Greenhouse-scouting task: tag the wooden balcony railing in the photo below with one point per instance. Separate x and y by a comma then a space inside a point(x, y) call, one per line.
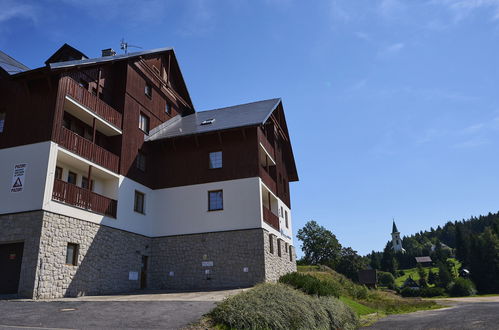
point(270, 218)
point(268, 180)
point(86, 149)
point(83, 198)
point(92, 102)
point(266, 144)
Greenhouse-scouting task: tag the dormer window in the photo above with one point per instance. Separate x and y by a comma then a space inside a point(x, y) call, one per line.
point(208, 121)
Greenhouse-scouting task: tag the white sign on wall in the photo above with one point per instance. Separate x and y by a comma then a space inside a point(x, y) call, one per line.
point(207, 264)
point(18, 178)
point(133, 276)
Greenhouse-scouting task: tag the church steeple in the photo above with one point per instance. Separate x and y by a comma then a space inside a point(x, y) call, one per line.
point(396, 241)
point(394, 228)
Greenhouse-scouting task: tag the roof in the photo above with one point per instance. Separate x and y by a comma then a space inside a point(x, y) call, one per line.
point(242, 115)
point(423, 259)
point(66, 53)
point(90, 61)
point(394, 228)
point(10, 65)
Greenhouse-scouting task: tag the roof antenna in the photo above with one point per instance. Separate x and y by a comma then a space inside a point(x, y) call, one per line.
point(124, 46)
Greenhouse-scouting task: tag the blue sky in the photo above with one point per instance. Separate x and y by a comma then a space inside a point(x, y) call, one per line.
point(392, 105)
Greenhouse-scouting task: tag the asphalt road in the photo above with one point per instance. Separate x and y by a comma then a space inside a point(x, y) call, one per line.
point(101, 315)
point(463, 313)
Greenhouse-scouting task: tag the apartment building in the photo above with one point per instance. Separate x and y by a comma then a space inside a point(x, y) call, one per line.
point(111, 181)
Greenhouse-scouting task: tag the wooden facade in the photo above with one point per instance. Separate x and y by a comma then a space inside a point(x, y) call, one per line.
point(114, 91)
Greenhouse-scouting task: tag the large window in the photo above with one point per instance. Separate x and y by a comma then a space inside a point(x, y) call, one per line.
point(215, 200)
point(84, 183)
point(138, 204)
point(144, 123)
point(58, 173)
point(72, 254)
point(215, 159)
point(2, 121)
point(140, 161)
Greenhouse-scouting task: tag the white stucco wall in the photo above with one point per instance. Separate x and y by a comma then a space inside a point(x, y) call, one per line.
point(31, 197)
point(184, 210)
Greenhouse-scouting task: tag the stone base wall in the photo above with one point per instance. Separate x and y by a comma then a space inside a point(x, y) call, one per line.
point(208, 260)
point(107, 257)
point(280, 258)
point(26, 228)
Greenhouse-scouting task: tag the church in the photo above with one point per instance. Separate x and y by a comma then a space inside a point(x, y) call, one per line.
point(396, 241)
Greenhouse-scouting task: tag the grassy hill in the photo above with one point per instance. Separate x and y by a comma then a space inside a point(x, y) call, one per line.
point(365, 302)
point(413, 272)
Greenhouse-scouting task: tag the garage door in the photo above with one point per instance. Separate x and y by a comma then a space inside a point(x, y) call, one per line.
point(11, 256)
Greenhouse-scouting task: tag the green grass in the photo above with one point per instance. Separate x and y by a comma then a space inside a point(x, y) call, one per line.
point(413, 272)
point(357, 307)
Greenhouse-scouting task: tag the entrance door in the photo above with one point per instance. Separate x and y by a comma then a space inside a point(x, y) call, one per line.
point(11, 256)
point(143, 272)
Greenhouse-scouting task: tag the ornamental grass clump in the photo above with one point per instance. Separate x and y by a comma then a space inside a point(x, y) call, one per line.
point(278, 306)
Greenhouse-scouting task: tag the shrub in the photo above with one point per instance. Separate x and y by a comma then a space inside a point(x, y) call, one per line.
point(386, 279)
point(462, 287)
point(278, 306)
point(400, 273)
point(432, 292)
point(409, 292)
point(310, 284)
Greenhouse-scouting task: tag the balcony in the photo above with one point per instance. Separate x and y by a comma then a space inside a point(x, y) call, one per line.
point(267, 179)
point(91, 102)
point(88, 150)
point(270, 218)
point(83, 198)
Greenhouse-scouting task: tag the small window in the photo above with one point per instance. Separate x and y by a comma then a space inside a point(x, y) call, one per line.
point(279, 253)
point(138, 204)
point(215, 159)
point(2, 121)
point(168, 108)
point(281, 213)
point(271, 244)
point(208, 121)
point(72, 254)
point(58, 173)
point(148, 90)
point(140, 161)
point(84, 183)
point(290, 253)
point(286, 247)
point(144, 123)
point(71, 177)
point(215, 200)
point(286, 218)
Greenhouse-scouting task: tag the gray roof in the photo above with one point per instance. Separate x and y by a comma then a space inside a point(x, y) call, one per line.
point(242, 115)
point(11, 65)
point(105, 58)
point(423, 259)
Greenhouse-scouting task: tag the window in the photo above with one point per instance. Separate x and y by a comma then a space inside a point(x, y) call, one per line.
point(138, 204)
point(71, 177)
point(58, 173)
point(286, 218)
point(216, 159)
point(286, 247)
point(2, 121)
point(148, 90)
point(84, 183)
point(140, 161)
point(290, 253)
point(208, 121)
point(271, 243)
point(144, 123)
point(72, 254)
point(215, 200)
point(281, 213)
point(279, 247)
point(168, 108)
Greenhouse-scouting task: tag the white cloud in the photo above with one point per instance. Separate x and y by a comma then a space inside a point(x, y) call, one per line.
point(391, 50)
point(14, 9)
point(463, 8)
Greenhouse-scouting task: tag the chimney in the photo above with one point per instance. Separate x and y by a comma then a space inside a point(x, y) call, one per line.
point(108, 52)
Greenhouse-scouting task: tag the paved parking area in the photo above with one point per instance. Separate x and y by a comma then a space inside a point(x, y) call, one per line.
point(134, 311)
